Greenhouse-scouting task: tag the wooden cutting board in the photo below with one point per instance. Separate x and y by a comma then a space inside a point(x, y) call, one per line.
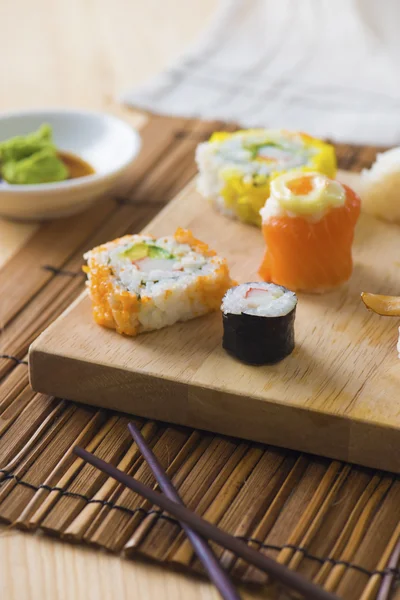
point(337, 395)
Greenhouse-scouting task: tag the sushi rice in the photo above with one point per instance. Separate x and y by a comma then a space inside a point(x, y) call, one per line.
point(235, 169)
point(380, 187)
point(260, 299)
point(140, 283)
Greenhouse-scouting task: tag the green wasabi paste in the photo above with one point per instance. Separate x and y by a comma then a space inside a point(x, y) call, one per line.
point(32, 158)
point(41, 167)
point(22, 146)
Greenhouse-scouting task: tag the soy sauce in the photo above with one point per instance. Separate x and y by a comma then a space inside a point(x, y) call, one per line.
point(77, 167)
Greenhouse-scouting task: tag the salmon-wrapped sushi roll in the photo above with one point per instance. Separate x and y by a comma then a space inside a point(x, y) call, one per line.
point(140, 283)
point(308, 224)
point(235, 169)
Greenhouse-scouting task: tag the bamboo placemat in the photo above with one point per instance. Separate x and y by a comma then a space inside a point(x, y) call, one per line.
point(334, 522)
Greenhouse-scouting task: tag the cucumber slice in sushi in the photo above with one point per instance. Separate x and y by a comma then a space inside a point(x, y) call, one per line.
point(140, 251)
point(236, 169)
point(140, 283)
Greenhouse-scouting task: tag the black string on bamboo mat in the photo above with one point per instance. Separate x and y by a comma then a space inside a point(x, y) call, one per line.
point(395, 572)
point(123, 200)
point(67, 494)
point(17, 360)
point(181, 134)
point(64, 272)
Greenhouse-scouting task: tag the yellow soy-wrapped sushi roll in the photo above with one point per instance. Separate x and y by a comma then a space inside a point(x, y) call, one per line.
point(235, 169)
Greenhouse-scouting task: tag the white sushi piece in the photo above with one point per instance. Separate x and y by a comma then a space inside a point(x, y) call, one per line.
point(380, 187)
point(259, 299)
point(140, 283)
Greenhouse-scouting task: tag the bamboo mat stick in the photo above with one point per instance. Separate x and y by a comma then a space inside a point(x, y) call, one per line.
point(186, 459)
point(316, 522)
point(27, 518)
point(204, 476)
point(388, 579)
point(376, 582)
point(178, 166)
point(28, 261)
point(19, 429)
point(55, 422)
point(159, 136)
point(12, 386)
point(295, 539)
point(92, 528)
point(12, 412)
point(385, 591)
point(256, 495)
point(277, 571)
point(358, 533)
point(52, 497)
point(214, 570)
point(376, 543)
point(228, 482)
point(267, 522)
point(39, 431)
point(86, 517)
point(339, 547)
point(117, 526)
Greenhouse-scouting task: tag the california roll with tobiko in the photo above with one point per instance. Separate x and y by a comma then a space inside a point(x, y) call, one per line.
point(235, 169)
point(139, 283)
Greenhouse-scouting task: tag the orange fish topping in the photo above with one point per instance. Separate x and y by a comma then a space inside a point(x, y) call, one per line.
point(311, 256)
point(301, 186)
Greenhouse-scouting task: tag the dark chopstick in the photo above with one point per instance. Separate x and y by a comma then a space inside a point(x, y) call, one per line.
point(385, 590)
point(215, 571)
point(281, 573)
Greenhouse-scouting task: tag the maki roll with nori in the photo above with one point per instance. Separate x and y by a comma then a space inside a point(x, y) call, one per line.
point(258, 321)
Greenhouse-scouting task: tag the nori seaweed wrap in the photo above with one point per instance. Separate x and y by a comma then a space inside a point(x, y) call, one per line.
point(258, 320)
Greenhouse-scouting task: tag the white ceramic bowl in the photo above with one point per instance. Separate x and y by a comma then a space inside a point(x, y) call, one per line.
point(108, 144)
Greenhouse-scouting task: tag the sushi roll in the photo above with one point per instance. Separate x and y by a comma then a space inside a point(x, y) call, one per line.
point(140, 283)
point(258, 320)
point(379, 187)
point(308, 224)
point(235, 169)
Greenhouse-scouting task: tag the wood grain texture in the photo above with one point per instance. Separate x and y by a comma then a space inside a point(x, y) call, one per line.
point(336, 394)
point(34, 568)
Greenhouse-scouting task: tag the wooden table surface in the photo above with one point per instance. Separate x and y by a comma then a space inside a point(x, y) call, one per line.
point(83, 53)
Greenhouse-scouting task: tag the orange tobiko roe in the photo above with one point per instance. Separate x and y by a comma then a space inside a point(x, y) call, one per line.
point(308, 256)
point(301, 186)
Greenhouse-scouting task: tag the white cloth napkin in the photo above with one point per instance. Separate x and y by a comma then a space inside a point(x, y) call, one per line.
point(327, 67)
